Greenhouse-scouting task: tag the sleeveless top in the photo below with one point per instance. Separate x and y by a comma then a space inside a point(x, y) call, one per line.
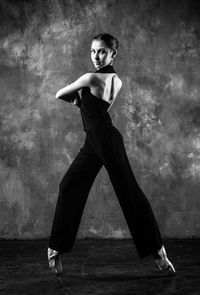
point(94, 109)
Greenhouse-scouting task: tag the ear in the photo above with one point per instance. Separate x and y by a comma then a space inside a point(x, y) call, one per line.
point(114, 53)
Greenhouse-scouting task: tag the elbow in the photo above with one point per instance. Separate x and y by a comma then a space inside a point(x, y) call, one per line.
point(58, 95)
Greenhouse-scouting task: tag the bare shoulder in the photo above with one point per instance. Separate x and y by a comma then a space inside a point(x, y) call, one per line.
point(89, 78)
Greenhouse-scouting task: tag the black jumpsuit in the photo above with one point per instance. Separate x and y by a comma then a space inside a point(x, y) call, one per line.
point(103, 146)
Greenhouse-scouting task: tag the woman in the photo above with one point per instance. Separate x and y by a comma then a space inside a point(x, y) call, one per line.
point(103, 146)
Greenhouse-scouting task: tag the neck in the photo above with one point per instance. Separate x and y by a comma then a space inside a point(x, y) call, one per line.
point(106, 69)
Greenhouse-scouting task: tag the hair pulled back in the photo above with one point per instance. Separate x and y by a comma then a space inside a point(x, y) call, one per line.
point(108, 39)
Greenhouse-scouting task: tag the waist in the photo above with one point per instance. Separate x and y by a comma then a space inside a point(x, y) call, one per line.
point(91, 120)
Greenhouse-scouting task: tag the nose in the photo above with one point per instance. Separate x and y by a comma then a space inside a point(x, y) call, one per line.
point(96, 56)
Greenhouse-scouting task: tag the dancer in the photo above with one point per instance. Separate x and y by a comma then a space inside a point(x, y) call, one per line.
point(103, 146)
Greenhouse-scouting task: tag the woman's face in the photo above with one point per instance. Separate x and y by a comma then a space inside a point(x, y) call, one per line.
point(101, 55)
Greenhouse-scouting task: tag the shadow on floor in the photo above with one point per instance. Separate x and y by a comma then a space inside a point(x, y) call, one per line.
point(98, 267)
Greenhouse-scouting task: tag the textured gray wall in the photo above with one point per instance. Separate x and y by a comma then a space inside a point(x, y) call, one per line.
point(45, 44)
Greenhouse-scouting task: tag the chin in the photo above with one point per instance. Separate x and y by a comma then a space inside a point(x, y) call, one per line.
point(97, 66)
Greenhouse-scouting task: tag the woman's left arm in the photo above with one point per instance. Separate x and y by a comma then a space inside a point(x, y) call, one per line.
point(72, 88)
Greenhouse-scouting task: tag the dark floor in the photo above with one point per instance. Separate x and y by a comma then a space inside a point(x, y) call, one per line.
point(98, 267)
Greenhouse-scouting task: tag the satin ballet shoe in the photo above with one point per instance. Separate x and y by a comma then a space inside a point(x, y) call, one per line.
point(54, 261)
point(163, 262)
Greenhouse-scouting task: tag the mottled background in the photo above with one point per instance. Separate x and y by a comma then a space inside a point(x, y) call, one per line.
point(46, 44)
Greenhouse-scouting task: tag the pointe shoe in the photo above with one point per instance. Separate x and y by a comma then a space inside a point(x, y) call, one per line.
point(163, 262)
point(54, 261)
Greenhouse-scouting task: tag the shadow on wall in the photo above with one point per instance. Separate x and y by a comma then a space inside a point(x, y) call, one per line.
point(45, 45)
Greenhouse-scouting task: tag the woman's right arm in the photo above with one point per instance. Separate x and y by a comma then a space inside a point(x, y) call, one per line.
point(73, 98)
point(71, 90)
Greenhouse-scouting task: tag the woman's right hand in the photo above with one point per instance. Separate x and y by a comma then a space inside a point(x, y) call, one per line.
point(77, 101)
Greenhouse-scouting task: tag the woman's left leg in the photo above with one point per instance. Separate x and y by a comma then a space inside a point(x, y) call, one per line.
point(73, 193)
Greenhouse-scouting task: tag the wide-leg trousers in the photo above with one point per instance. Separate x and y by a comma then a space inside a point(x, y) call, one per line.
point(103, 145)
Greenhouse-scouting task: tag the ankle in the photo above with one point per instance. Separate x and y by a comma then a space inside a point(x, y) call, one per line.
point(159, 253)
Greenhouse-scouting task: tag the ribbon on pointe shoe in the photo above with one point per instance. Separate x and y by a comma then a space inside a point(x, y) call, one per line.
point(54, 261)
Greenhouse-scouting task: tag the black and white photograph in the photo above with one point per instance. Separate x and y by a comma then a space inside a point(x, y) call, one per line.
point(99, 147)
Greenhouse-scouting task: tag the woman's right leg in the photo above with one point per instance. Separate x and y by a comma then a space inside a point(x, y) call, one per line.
point(73, 192)
point(109, 145)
